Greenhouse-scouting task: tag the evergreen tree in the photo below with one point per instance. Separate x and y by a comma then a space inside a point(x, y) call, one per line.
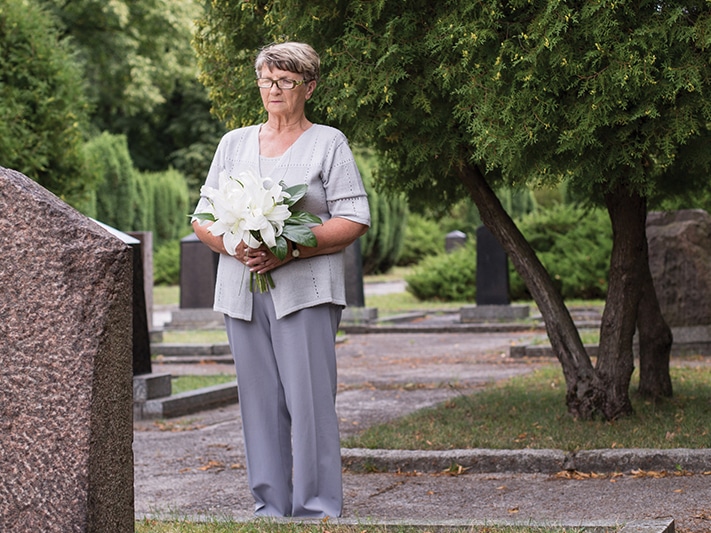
point(42, 104)
point(462, 96)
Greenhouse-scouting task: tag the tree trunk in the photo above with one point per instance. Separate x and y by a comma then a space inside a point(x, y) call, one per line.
point(585, 392)
point(615, 363)
point(655, 340)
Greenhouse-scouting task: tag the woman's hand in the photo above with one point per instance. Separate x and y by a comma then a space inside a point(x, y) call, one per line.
point(259, 260)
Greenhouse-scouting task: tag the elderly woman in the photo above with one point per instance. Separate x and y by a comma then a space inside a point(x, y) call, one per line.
point(283, 340)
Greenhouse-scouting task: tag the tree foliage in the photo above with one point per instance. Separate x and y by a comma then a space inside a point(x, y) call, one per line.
point(132, 53)
point(42, 107)
point(460, 97)
point(141, 79)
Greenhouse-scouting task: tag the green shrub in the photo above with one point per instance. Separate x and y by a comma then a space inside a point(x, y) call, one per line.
point(117, 188)
point(574, 244)
point(145, 205)
point(166, 263)
point(446, 276)
point(171, 199)
point(43, 108)
point(423, 238)
point(381, 246)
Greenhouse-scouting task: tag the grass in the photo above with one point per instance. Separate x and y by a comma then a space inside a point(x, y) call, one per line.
point(195, 336)
point(529, 412)
point(166, 295)
point(191, 382)
point(265, 526)
point(391, 304)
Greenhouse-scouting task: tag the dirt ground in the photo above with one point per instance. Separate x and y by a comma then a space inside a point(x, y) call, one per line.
point(194, 466)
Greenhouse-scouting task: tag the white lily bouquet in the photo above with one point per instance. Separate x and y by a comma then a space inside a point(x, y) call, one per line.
point(257, 211)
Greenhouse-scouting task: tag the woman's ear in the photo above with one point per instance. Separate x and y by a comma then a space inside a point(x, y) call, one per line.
point(310, 89)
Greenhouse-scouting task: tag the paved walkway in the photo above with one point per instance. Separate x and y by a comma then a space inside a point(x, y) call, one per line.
point(194, 465)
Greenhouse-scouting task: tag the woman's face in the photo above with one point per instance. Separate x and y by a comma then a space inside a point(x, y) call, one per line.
point(286, 102)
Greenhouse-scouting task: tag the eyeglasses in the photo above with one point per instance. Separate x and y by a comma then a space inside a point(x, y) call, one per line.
point(283, 83)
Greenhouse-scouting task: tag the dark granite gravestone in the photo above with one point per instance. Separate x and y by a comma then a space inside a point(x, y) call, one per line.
point(355, 296)
point(492, 270)
point(198, 272)
point(141, 335)
point(492, 284)
point(146, 240)
point(66, 432)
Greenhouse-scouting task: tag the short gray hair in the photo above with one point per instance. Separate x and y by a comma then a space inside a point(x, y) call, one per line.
point(299, 58)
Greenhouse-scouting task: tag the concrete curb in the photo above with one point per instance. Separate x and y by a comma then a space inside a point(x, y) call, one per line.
point(482, 461)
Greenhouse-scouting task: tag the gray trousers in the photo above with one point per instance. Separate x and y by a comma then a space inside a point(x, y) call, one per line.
point(286, 375)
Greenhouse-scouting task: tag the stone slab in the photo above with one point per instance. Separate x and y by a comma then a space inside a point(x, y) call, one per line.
point(359, 315)
point(191, 402)
point(481, 313)
point(197, 318)
point(150, 386)
point(66, 433)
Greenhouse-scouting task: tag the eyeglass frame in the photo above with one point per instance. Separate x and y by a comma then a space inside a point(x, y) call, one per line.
point(276, 82)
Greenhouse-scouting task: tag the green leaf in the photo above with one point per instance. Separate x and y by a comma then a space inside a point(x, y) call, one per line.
point(281, 248)
point(204, 216)
point(300, 234)
point(302, 217)
point(296, 192)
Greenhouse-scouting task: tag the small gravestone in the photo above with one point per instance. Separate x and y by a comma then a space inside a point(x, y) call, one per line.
point(356, 312)
point(492, 270)
point(146, 240)
point(66, 432)
point(492, 283)
point(355, 296)
point(453, 240)
point(198, 272)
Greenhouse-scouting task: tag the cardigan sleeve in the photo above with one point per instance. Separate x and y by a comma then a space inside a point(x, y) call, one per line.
point(345, 192)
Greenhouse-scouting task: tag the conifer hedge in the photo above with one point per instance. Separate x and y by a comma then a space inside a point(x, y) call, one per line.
point(382, 245)
point(129, 200)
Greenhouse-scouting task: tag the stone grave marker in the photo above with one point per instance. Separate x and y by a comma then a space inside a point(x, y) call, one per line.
point(356, 312)
point(492, 270)
point(66, 432)
point(492, 283)
point(454, 239)
point(141, 330)
point(198, 272)
point(679, 259)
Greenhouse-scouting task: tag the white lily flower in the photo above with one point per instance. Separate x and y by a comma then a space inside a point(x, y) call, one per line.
point(247, 208)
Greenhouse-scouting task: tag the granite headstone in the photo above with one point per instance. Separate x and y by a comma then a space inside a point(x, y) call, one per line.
point(679, 259)
point(66, 460)
point(198, 272)
point(492, 270)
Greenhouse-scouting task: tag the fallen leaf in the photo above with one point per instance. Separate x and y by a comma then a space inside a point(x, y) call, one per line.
point(212, 464)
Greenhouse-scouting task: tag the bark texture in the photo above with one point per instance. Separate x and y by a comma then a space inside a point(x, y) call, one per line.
point(585, 391)
point(655, 339)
